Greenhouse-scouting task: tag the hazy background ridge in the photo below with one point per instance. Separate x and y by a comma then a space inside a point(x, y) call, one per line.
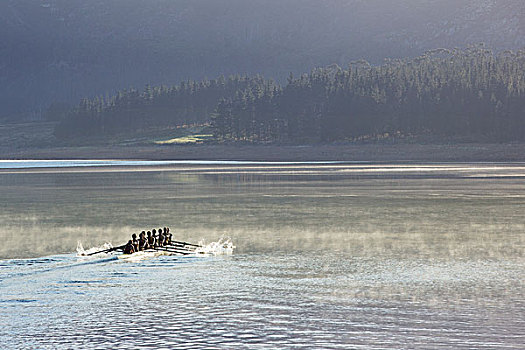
point(62, 50)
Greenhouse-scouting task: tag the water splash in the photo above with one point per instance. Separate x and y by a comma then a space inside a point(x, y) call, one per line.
point(81, 252)
point(224, 246)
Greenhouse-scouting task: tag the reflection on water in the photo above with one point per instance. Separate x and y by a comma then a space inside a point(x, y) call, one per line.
point(328, 256)
point(27, 164)
point(281, 208)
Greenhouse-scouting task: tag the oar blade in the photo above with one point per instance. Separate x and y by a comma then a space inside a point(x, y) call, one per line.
point(106, 250)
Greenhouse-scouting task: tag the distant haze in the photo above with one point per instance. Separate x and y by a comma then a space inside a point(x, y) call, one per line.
point(62, 50)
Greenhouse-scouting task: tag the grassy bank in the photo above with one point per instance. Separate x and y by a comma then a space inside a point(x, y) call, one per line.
point(36, 141)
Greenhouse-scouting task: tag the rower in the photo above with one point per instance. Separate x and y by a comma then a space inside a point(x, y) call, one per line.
point(154, 235)
point(168, 240)
point(161, 239)
point(129, 248)
point(163, 235)
point(143, 242)
point(135, 242)
point(151, 240)
point(165, 231)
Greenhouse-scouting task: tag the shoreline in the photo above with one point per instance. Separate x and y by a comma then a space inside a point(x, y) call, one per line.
point(401, 152)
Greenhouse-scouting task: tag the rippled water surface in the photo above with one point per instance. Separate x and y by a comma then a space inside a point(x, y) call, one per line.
point(371, 256)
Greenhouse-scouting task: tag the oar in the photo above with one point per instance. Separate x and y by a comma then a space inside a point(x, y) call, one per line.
point(107, 250)
point(186, 243)
point(166, 249)
point(182, 247)
point(173, 247)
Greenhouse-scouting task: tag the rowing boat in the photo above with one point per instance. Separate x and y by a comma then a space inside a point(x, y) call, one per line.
point(223, 246)
point(142, 255)
point(175, 248)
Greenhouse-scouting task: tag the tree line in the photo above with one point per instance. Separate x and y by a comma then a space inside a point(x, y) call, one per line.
point(471, 93)
point(190, 102)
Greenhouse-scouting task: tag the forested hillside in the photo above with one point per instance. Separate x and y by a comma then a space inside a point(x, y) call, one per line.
point(130, 109)
point(63, 50)
point(470, 93)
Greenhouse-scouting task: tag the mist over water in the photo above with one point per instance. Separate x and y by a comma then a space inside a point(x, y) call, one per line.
point(327, 256)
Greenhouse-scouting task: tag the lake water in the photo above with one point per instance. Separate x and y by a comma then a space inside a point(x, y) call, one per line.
point(349, 256)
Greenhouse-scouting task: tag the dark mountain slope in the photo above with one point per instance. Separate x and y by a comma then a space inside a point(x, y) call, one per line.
point(62, 50)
